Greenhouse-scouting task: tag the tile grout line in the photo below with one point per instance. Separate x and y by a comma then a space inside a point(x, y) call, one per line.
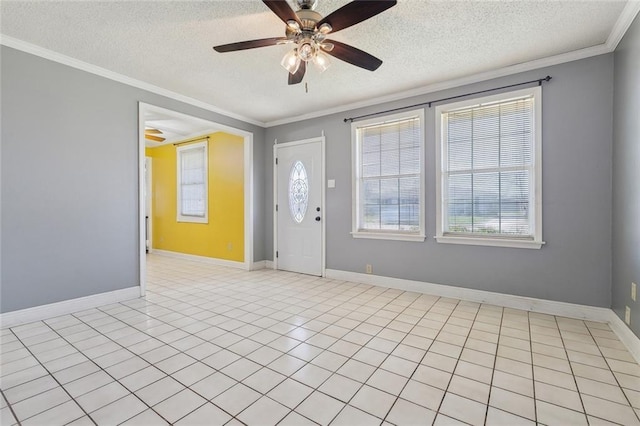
point(421, 359)
point(533, 373)
point(495, 361)
point(362, 384)
point(248, 337)
point(54, 378)
point(612, 373)
point(382, 362)
point(455, 367)
point(19, 423)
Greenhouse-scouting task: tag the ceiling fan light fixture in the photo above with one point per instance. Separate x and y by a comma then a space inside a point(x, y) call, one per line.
point(321, 61)
point(291, 61)
point(293, 25)
point(306, 51)
point(327, 46)
point(325, 28)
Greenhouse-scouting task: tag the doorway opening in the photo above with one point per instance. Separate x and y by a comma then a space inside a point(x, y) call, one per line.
point(172, 199)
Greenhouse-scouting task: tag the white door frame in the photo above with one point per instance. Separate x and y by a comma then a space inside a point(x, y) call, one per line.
point(149, 181)
point(323, 208)
point(248, 186)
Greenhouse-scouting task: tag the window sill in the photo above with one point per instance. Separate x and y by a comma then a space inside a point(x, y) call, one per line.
point(192, 219)
point(492, 242)
point(388, 236)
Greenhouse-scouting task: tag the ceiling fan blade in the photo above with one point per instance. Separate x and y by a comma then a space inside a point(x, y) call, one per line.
point(299, 75)
point(354, 56)
point(249, 44)
point(355, 12)
point(153, 131)
point(283, 10)
point(154, 138)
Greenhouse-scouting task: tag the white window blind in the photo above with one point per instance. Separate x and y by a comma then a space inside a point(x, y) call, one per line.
point(389, 176)
point(192, 182)
point(489, 169)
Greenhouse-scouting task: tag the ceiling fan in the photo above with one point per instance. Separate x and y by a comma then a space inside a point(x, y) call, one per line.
point(307, 29)
point(150, 134)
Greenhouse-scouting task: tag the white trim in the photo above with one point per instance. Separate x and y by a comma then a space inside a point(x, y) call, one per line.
point(388, 236)
point(274, 159)
point(571, 310)
point(543, 306)
point(148, 181)
point(626, 336)
point(248, 182)
point(142, 155)
point(620, 28)
point(36, 50)
point(535, 196)
point(493, 242)
point(51, 310)
point(575, 55)
point(248, 200)
point(269, 264)
point(179, 150)
point(203, 259)
point(256, 266)
point(323, 232)
point(356, 232)
point(631, 9)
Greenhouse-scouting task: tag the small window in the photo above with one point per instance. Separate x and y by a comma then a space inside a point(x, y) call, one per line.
point(489, 170)
point(192, 183)
point(298, 191)
point(388, 177)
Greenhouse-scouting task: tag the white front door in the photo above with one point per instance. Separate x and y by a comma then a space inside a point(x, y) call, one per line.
point(299, 211)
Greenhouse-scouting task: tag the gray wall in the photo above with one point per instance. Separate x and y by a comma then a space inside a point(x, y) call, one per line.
point(70, 181)
point(574, 265)
point(626, 175)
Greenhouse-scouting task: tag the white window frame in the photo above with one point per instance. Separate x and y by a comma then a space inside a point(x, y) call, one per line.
point(356, 232)
point(535, 196)
point(190, 218)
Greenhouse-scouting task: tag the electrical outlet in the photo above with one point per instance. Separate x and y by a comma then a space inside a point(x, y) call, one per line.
point(627, 315)
point(634, 291)
point(229, 247)
point(369, 269)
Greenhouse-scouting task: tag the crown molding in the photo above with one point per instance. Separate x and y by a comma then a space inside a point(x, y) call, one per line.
point(629, 13)
point(626, 18)
point(450, 84)
point(33, 49)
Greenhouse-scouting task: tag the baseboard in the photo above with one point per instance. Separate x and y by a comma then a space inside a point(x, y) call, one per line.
point(570, 310)
point(269, 264)
point(626, 336)
point(261, 264)
point(204, 259)
point(551, 307)
point(38, 313)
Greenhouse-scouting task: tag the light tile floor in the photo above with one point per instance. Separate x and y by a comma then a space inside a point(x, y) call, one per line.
point(211, 345)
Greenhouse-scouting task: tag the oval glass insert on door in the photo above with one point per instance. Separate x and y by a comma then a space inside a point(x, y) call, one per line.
point(298, 191)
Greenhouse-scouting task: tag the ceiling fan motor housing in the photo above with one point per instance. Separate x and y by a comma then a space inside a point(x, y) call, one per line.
point(308, 18)
point(307, 4)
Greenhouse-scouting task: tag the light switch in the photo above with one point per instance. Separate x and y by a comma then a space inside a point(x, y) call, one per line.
point(331, 183)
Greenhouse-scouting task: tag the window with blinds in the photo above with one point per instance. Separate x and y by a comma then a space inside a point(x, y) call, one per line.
point(388, 177)
point(489, 167)
point(192, 182)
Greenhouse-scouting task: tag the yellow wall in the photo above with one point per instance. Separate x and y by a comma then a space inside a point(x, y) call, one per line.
point(223, 236)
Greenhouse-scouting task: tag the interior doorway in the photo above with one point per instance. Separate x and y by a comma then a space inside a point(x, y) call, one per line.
point(161, 132)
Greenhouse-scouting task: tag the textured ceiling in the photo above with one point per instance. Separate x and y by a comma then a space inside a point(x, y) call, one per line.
point(174, 127)
point(169, 44)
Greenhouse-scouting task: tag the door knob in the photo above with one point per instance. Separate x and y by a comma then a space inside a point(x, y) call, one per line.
point(317, 218)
